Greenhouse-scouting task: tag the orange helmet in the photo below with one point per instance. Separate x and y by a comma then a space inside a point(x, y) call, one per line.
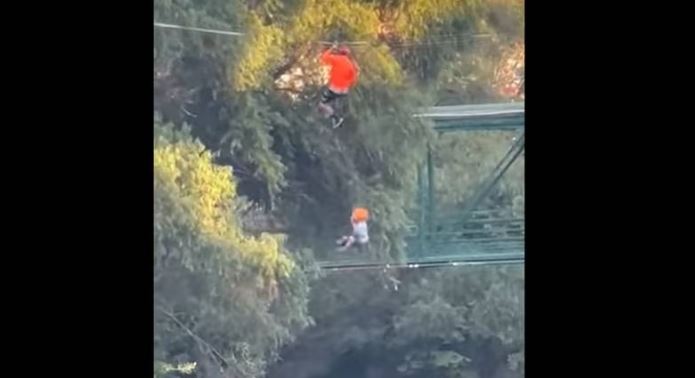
point(359, 214)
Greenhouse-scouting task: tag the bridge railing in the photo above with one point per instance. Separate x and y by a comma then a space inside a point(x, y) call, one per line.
point(440, 232)
point(487, 232)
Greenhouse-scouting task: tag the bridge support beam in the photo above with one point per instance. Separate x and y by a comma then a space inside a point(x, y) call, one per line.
point(422, 218)
point(510, 157)
point(430, 189)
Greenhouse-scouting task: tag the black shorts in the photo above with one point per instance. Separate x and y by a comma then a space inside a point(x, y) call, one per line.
point(329, 96)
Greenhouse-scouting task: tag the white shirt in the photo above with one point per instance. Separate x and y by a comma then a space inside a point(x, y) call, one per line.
point(359, 231)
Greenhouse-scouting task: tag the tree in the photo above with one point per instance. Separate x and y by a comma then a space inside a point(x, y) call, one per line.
point(459, 322)
point(257, 113)
point(223, 299)
point(250, 100)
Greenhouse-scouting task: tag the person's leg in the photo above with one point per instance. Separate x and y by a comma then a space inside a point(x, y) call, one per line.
point(327, 97)
point(335, 117)
point(361, 247)
point(341, 242)
point(347, 243)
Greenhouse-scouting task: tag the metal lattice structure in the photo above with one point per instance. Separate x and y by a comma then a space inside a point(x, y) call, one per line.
point(469, 235)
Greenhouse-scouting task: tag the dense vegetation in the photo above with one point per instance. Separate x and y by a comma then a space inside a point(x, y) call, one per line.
point(251, 189)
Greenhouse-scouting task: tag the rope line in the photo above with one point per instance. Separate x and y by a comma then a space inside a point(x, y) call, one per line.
point(347, 266)
point(451, 38)
point(191, 28)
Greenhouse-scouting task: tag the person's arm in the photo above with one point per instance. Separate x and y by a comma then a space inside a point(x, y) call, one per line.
point(327, 57)
point(355, 72)
point(350, 241)
point(345, 242)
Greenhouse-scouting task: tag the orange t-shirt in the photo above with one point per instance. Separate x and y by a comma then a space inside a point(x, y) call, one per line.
point(343, 72)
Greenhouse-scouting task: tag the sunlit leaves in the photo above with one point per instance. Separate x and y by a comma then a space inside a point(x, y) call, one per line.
point(218, 290)
point(262, 49)
point(509, 74)
point(205, 193)
point(162, 368)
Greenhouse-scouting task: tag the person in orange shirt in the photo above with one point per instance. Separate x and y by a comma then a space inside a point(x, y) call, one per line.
point(342, 77)
point(360, 233)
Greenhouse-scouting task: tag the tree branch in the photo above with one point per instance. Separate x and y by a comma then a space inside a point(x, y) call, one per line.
point(224, 363)
point(282, 69)
point(291, 62)
point(288, 89)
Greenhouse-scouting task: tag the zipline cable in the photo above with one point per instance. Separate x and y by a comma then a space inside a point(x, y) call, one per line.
point(449, 38)
point(350, 266)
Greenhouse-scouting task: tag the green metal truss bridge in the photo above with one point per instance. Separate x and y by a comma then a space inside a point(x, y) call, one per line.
point(471, 234)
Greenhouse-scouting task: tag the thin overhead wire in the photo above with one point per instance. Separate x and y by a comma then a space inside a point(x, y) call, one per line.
point(446, 39)
point(328, 266)
point(191, 28)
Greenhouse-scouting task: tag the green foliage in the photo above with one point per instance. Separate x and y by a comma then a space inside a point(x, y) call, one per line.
point(249, 138)
point(228, 299)
point(281, 152)
point(190, 185)
point(261, 51)
point(458, 322)
point(216, 14)
point(463, 161)
point(414, 19)
point(442, 363)
point(433, 318)
point(462, 310)
point(222, 297)
point(162, 368)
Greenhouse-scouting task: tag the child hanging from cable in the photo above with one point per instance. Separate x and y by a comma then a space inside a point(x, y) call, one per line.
point(360, 233)
point(342, 77)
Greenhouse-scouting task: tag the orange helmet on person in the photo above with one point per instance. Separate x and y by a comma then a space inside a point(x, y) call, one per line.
point(359, 214)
